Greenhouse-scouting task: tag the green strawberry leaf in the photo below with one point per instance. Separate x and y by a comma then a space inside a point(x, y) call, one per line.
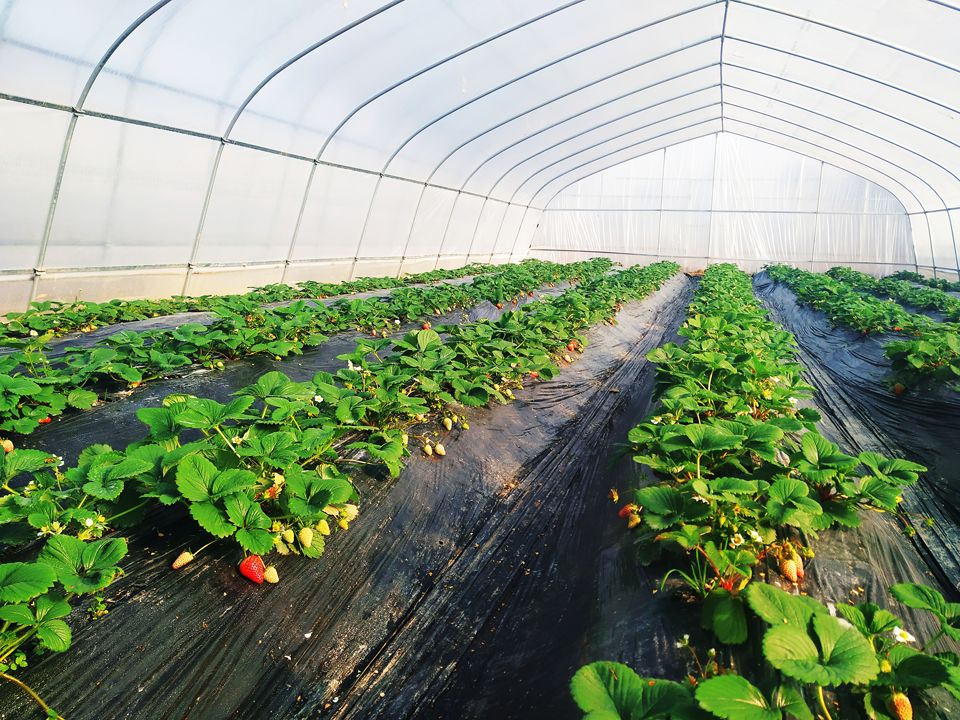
point(843, 656)
point(733, 697)
point(22, 581)
point(611, 691)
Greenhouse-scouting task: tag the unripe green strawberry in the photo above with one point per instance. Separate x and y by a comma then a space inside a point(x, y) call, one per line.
point(280, 546)
point(270, 574)
point(447, 424)
point(466, 425)
point(182, 559)
point(288, 535)
point(350, 512)
point(885, 666)
point(427, 449)
point(404, 438)
point(344, 524)
point(439, 450)
point(900, 706)
point(323, 527)
point(305, 536)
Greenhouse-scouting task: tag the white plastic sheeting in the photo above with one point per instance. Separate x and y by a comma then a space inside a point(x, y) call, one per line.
point(157, 146)
point(726, 197)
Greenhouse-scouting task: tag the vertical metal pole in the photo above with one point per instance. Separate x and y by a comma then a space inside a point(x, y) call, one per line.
point(296, 228)
point(816, 218)
point(446, 227)
point(713, 192)
point(363, 228)
point(663, 176)
point(203, 218)
point(413, 224)
point(476, 227)
point(496, 239)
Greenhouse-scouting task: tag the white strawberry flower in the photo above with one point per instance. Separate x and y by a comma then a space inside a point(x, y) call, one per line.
point(902, 636)
point(396, 322)
point(318, 399)
point(737, 540)
point(34, 333)
point(88, 522)
point(755, 536)
point(699, 499)
point(793, 400)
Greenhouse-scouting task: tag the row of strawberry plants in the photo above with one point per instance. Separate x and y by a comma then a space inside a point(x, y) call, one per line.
point(904, 292)
point(742, 479)
point(269, 470)
point(35, 386)
point(929, 356)
point(937, 283)
point(59, 318)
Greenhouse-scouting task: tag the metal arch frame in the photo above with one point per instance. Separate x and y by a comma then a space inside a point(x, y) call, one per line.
point(845, 31)
point(623, 149)
point(866, 152)
point(585, 86)
point(553, 63)
point(68, 138)
point(812, 88)
point(956, 255)
point(489, 196)
point(699, 68)
point(723, 37)
point(612, 138)
point(156, 7)
point(487, 93)
point(764, 128)
point(728, 132)
point(591, 109)
point(434, 65)
point(236, 118)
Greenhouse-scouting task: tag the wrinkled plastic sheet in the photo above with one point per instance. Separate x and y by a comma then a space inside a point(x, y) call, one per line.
point(472, 586)
point(861, 413)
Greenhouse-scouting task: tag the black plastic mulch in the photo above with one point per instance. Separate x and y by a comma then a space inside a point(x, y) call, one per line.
point(472, 586)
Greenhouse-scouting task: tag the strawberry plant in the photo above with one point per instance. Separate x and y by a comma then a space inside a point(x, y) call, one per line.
point(742, 472)
point(859, 652)
point(930, 354)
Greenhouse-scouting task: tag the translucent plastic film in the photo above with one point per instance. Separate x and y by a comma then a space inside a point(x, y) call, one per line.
point(726, 197)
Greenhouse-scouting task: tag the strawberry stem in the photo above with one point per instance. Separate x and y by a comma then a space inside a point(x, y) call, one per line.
point(36, 698)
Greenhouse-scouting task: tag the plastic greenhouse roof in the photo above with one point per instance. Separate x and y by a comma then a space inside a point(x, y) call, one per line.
point(505, 100)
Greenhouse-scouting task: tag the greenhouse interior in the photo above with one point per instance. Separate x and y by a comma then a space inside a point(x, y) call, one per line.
point(444, 359)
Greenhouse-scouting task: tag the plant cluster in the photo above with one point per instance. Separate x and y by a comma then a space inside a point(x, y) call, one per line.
point(904, 292)
point(860, 652)
point(938, 283)
point(743, 473)
point(743, 478)
point(35, 385)
point(60, 318)
point(268, 471)
point(930, 356)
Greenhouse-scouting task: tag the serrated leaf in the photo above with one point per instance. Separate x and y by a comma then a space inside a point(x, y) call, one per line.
point(22, 581)
point(777, 607)
point(611, 691)
point(844, 656)
point(54, 635)
point(733, 697)
point(212, 519)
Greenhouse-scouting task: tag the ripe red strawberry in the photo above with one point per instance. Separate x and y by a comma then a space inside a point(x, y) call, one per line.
point(425, 326)
point(530, 294)
point(45, 420)
point(252, 568)
point(182, 559)
point(628, 509)
point(900, 706)
point(499, 306)
point(7, 445)
point(534, 375)
point(899, 388)
point(514, 301)
point(788, 568)
point(572, 345)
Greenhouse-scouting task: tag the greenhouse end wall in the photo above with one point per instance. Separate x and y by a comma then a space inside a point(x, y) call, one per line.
point(725, 197)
